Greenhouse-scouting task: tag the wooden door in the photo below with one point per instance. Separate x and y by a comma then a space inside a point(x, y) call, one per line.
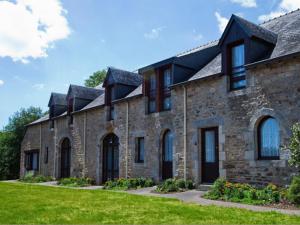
point(65, 166)
point(210, 155)
point(167, 156)
point(110, 158)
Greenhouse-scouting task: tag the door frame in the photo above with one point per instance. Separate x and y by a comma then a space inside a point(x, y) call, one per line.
point(115, 142)
point(62, 150)
point(163, 177)
point(217, 160)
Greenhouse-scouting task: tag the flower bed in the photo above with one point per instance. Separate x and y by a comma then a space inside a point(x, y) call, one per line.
point(32, 178)
point(126, 184)
point(75, 182)
point(174, 185)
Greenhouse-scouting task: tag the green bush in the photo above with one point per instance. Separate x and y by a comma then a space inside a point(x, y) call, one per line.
point(293, 193)
point(245, 193)
point(30, 177)
point(126, 184)
point(174, 185)
point(75, 182)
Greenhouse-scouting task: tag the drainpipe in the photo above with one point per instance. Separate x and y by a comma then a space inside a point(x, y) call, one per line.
point(84, 144)
point(126, 147)
point(184, 132)
point(40, 147)
point(55, 149)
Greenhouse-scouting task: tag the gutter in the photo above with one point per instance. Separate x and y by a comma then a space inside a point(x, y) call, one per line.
point(125, 99)
point(184, 132)
point(127, 133)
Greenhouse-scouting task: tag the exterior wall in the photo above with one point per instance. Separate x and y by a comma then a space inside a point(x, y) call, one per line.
point(272, 90)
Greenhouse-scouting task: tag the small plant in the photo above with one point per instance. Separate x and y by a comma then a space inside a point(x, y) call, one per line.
point(75, 182)
point(294, 146)
point(293, 193)
point(30, 177)
point(126, 184)
point(174, 185)
point(245, 193)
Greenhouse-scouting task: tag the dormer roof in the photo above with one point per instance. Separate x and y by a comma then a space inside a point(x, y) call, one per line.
point(250, 29)
point(117, 76)
point(57, 99)
point(84, 92)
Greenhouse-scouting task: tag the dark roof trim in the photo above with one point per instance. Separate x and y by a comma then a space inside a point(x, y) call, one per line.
point(157, 64)
point(288, 56)
point(84, 110)
point(201, 78)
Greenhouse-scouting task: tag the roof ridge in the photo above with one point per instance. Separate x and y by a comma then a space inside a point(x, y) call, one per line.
point(200, 46)
point(277, 17)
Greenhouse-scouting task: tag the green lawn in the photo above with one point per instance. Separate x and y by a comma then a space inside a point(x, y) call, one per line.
point(25, 203)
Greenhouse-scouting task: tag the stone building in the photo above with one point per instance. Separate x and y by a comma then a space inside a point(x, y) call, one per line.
point(224, 109)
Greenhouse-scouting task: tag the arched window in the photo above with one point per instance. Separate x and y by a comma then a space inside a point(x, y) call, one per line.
point(268, 139)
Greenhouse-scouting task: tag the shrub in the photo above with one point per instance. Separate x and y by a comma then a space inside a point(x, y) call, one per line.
point(75, 182)
point(30, 177)
point(174, 185)
point(236, 192)
point(293, 193)
point(294, 146)
point(126, 184)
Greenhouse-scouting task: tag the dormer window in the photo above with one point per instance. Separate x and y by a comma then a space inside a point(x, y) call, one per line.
point(237, 67)
point(70, 110)
point(152, 93)
point(109, 98)
point(166, 90)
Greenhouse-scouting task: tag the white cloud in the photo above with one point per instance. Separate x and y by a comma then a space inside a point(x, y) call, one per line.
point(283, 7)
point(245, 3)
point(197, 36)
point(29, 27)
point(154, 33)
point(39, 86)
point(222, 22)
point(1, 82)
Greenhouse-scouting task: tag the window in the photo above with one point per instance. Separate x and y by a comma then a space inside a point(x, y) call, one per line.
point(110, 97)
point(46, 156)
point(168, 147)
point(237, 73)
point(166, 90)
point(268, 139)
point(32, 160)
point(152, 93)
point(51, 124)
point(140, 150)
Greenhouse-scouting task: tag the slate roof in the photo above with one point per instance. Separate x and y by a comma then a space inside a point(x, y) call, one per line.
point(99, 101)
point(287, 29)
point(251, 29)
point(42, 119)
point(118, 76)
point(84, 92)
point(57, 99)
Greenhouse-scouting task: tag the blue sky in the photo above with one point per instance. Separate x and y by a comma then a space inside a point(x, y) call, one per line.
point(46, 45)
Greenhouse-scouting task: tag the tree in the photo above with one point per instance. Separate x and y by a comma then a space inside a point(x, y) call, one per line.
point(95, 79)
point(10, 141)
point(294, 146)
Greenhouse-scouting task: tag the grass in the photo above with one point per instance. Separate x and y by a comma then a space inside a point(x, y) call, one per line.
point(34, 204)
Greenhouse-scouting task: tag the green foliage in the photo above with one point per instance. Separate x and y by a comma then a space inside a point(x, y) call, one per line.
point(32, 178)
point(10, 141)
point(95, 79)
point(75, 182)
point(35, 204)
point(293, 193)
point(174, 185)
point(126, 184)
point(244, 193)
point(294, 146)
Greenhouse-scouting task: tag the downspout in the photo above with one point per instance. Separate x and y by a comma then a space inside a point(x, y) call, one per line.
point(184, 133)
point(40, 147)
point(126, 147)
point(55, 149)
point(84, 145)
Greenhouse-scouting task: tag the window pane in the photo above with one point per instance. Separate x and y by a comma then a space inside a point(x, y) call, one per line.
point(238, 56)
point(210, 146)
point(35, 161)
point(168, 147)
point(167, 78)
point(167, 103)
point(141, 149)
point(152, 82)
point(239, 84)
point(152, 106)
point(269, 136)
